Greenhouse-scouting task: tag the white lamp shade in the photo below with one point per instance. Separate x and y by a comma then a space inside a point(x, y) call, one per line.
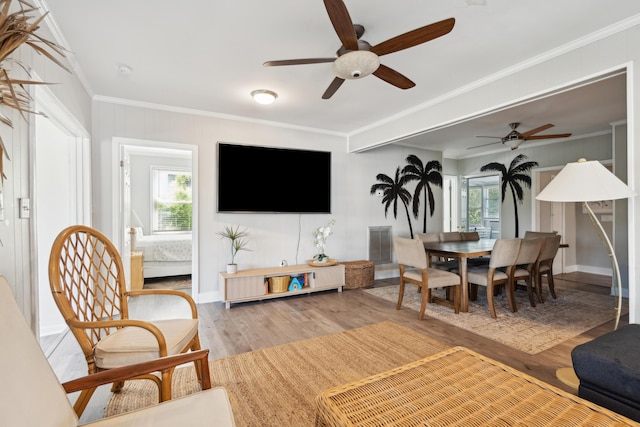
point(585, 181)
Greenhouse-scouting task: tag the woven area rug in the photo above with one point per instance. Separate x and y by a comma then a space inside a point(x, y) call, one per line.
point(276, 386)
point(530, 329)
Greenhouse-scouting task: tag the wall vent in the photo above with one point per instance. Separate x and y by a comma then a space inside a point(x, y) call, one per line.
point(380, 244)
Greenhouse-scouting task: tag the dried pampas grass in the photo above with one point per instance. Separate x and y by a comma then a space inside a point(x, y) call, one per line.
point(19, 28)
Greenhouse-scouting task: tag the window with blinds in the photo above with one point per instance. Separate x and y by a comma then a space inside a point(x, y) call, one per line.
point(172, 203)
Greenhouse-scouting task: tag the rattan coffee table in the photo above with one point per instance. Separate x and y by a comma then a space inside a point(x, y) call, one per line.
point(457, 387)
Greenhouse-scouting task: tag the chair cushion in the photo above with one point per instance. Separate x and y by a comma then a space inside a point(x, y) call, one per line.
point(133, 345)
point(206, 408)
point(478, 275)
point(437, 278)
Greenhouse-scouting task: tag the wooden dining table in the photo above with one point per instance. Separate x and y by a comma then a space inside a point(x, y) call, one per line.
point(462, 250)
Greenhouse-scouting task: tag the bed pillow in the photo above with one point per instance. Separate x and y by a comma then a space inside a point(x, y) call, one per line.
point(138, 231)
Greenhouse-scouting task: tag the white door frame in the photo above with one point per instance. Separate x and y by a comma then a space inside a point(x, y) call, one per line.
point(119, 147)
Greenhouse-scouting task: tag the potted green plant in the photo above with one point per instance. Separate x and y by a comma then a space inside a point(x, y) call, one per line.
point(237, 238)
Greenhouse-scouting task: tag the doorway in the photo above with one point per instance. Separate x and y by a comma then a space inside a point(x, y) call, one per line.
point(481, 205)
point(150, 223)
point(61, 193)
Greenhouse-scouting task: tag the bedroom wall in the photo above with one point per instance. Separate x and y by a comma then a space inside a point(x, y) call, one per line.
point(273, 236)
point(141, 182)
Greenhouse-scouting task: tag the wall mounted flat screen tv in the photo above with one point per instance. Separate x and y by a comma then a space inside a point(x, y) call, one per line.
point(254, 179)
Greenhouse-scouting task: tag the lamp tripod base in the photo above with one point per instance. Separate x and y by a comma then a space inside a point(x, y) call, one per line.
point(568, 377)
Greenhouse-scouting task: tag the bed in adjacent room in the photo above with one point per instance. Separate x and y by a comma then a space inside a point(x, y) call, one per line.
point(164, 254)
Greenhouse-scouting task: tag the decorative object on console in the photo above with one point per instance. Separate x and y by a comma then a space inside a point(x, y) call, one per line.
point(327, 262)
point(238, 242)
point(320, 236)
point(16, 30)
point(297, 283)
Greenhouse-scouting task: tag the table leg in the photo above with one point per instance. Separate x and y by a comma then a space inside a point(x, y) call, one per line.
point(464, 292)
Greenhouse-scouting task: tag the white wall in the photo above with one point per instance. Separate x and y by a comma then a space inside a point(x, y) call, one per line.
point(273, 236)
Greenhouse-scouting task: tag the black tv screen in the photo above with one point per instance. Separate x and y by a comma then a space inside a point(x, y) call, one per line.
point(273, 180)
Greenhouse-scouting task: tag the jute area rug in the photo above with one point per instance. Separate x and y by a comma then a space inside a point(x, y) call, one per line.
point(530, 329)
point(276, 386)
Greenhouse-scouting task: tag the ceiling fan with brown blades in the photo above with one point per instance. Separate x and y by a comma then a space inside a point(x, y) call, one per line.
point(515, 138)
point(356, 58)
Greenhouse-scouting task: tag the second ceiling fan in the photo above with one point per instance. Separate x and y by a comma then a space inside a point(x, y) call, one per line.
point(515, 138)
point(356, 58)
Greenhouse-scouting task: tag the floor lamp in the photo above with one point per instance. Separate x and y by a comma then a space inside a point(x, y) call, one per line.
point(589, 181)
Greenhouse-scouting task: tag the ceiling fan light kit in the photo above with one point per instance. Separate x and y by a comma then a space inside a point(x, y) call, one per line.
point(356, 64)
point(263, 96)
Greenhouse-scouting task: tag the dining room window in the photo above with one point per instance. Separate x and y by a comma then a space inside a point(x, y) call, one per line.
point(171, 200)
point(483, 201)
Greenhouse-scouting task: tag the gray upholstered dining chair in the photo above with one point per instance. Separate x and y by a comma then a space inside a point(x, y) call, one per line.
point(525, 265)
point(544, 265)
point(469, 235)
point(414, 269)
point(450, 236)
point(504, 254)
point(535, 234)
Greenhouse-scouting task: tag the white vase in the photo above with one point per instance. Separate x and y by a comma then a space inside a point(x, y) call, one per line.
point(232, 268)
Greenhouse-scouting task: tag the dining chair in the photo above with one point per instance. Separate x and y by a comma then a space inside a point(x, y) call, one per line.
point(544, 265)
point(525, 265)
point(535, 234)
point(427, 237)
point(434, 261)
point(414, 269)
point(450, 236)
point(469, 235)
point(88, 285)
point(32, 395)
point(503, 254)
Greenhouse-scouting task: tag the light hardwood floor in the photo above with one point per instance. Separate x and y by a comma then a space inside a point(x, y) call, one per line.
point(250, 326)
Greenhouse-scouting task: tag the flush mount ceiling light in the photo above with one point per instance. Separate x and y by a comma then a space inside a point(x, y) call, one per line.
point(356, 64)
point(263, 96)
point(124, 69)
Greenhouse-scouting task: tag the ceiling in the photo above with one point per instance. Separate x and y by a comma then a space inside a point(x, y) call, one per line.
point(207, 56)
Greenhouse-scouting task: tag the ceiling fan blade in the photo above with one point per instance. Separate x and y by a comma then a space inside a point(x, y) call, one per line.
point(414, 38)
point(339, 16)
point(558, 135)
point(484, 145)
point(393, 77)
point(333, 87)
point(297, 61)
point(536, 130)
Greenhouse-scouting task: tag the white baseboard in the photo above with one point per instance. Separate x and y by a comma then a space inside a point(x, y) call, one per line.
point(386, 271)
point(587, 269)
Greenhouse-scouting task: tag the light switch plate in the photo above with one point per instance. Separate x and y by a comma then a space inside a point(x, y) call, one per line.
point(25, 208)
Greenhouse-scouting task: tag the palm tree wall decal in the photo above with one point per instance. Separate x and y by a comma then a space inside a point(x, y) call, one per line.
point(424, 175)
point(519, 172)
point(392, 190)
